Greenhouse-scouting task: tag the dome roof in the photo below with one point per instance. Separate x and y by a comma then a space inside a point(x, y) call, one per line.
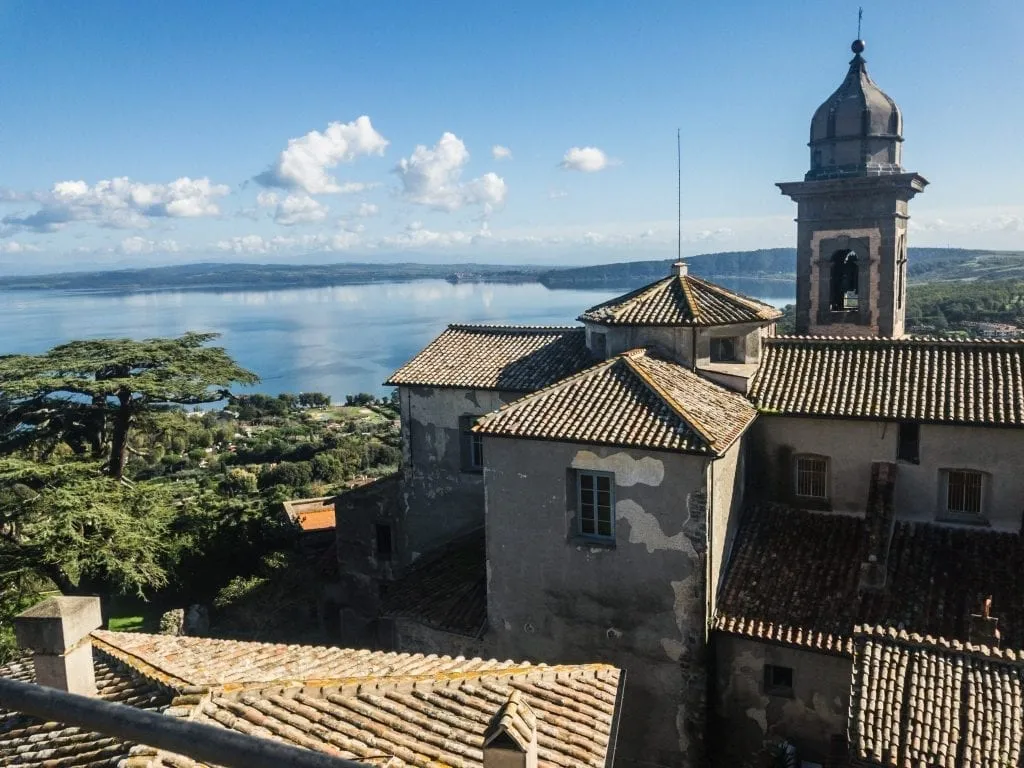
point(858, 130)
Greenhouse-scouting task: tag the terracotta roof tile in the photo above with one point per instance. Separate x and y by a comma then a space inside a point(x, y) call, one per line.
point(793, 578)
point(681, 300)
point(634, 400)
point(976, 382)
point(409, 708)
point(925, 701)
point(448, 591)
point(506, 358)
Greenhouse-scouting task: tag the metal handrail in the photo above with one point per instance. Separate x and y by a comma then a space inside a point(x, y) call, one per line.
point(199, 741)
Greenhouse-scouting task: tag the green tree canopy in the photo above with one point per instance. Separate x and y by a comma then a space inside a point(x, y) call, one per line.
point(88, 394)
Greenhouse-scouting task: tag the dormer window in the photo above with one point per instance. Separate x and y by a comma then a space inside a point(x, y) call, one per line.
point(727, 349)
point(599, 344)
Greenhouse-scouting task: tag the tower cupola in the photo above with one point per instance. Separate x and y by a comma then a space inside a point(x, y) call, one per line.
point(858, 130)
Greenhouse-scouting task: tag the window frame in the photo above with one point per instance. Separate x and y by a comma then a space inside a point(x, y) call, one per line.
point(599, 343)
point(471, 446)
point(827, 472)
point(594, 491)
point(773, 687)
point(912, 457)
point(962, 515)
point(737, 345)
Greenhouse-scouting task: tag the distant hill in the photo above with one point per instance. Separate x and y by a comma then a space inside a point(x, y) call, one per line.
point(925, 265)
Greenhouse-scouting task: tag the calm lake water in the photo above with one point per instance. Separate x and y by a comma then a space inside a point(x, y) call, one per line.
point(336, 340)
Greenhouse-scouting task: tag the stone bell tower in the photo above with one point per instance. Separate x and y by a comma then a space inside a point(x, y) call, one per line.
point(852, 214)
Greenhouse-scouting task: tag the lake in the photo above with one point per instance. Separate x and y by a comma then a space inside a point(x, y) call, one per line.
point(338, 340)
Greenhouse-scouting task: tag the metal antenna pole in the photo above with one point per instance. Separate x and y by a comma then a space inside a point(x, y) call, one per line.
point(679, 199)
point(860, 16)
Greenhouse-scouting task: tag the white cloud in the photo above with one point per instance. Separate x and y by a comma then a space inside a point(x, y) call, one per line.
point(267, 199)
point(585, 159)
point(557, 194)
point(499, 152)
point(299, 209)
point(342, 241)
point(13, 246)
point(121, 203)
point(365, 210)
point(431, 177)
point(138, 245)
point(304, 163)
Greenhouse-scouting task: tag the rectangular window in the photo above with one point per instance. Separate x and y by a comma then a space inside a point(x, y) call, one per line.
point(472, 445)
point(963, 492)
point(909, 442)
point(812, 477)
point(599, 343)
point(596, 504)
point(778, 681)
point(727, 350)
point(384, 545)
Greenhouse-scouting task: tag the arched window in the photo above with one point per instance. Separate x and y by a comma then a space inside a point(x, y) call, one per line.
point(844, 282)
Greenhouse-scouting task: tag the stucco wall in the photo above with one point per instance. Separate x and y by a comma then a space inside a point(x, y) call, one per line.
point(409, 636)
point(639, 605)
point(441, 501)
point(726, 503)
point(853, 444)
point(747, 716)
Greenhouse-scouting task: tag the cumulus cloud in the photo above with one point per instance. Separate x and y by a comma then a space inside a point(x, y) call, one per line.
point(121, 203)
point(299, 209)
point(432, 177)
point(585, 159)
point(305, 162)
point(13, 246)
point(366, 210)
point(341, 241)
point(140, 245)
point(499, 152)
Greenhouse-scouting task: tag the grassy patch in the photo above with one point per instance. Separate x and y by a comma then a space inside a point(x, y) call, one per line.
point(126, 623)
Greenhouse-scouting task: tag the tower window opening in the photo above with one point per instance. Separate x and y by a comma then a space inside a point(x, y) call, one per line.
point(844, 282)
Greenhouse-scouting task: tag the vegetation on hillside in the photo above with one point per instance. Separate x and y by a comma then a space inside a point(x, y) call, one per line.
point(195, 511)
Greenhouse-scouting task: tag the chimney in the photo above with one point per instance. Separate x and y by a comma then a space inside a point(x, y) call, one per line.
point(679, 269)
point(510, 740)
point(983, 628)
point(57, 632)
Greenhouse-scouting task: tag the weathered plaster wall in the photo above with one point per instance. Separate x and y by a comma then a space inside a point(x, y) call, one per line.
point(441, 500)
point(751, 334)
point(675, 341)
point(747, 717)
point(639, 604)
point(726, 502)
point(853, 444)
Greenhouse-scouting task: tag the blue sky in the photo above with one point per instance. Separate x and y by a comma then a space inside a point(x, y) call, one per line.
point(144, 133)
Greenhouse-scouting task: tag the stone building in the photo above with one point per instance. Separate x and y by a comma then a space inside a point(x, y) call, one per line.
point(768, 534)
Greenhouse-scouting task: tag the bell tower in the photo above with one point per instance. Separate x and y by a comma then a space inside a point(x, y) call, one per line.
point(852, 216)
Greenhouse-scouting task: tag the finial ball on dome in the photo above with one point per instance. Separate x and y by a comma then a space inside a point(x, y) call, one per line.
point(858, 46)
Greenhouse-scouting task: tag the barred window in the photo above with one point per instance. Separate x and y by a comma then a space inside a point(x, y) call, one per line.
point(812, 477)
point(963, 491)
point(596, 504)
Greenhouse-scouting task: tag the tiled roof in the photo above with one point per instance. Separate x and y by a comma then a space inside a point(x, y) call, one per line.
point(793, 577)
point(633, 400)
point(447, 592)
point(955, 382)
point(413, 710)
point(681, 300)
point(28, 741)
point(925, 701)
point(507, 358)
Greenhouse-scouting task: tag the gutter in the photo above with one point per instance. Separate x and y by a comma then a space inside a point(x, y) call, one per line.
point(613, 733)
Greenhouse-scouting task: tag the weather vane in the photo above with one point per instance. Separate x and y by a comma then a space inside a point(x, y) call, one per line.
point(860, 17)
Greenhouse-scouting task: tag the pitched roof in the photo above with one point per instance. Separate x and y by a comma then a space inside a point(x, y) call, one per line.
point(681, 300)
point(27, 741)
point(633, 400)
point(934, 380)
point(793, 578)
point(356, 704)
point(507, 358)
point(448, 591)
point(925, 701)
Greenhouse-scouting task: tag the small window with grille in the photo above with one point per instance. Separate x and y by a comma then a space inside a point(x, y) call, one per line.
point(811, 477)
point(964, 492)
